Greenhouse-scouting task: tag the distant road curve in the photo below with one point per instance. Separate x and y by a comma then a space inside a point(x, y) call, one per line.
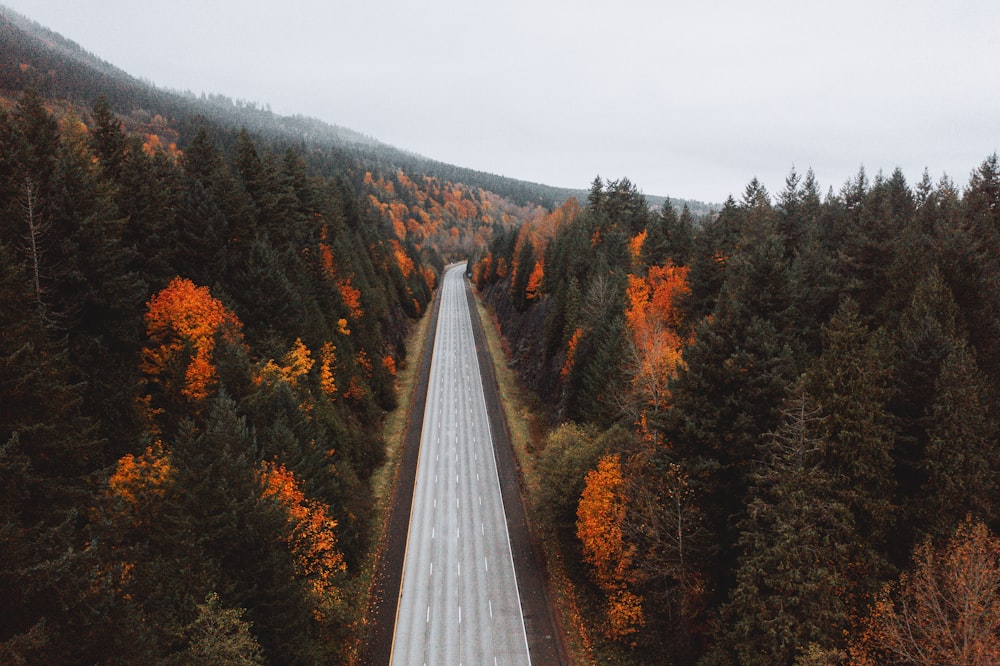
point(459, 600)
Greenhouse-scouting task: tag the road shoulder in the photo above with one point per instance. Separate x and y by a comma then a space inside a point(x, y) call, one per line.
point(388, 574)
point(543, 642)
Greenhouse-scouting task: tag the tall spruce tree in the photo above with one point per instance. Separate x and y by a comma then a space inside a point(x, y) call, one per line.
point(929, 330)
point(851, 384)
point(797, 544)
point(962, 459)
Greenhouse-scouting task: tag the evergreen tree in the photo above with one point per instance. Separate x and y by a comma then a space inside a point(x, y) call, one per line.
point(48, 449)
point(108, 141)
point(668, 237)
point(791, 216)
point(712, 249)
point(524, 262)
point(970, 242)
point(851, 384)
point(683, 238)
point(214, 507)
point(729, 389)
point(962, 460)
point(150, 195)
point(929, 330)
point(595, 198)
point(656, 248)
point(796, 545)
point(591, 383)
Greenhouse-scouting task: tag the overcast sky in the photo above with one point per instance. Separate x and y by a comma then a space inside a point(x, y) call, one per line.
point(688, 99)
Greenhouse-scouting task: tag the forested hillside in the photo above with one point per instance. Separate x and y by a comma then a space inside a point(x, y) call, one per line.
point(773, 434)
point(57, 68)
point(770, 432)
point(197, 351)
point(204, 306)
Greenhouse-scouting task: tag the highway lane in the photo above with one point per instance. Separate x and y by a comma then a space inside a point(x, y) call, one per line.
point(458, 602)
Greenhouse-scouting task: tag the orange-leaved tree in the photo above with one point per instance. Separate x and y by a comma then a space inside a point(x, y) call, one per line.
point(600, 516)
point(311, 538)
point(657, 338)
point(137, 486)
point(534, 289)
point(184, 323)
point(946, 611)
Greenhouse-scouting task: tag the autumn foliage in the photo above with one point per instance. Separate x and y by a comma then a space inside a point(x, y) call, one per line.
point(427, 212)
point(311, 536)
point(139, 482)
point(295, 365)
point(193, 382)
point(183, 322)
point(350, 294)
point(946, 611)
point(600, 516)
point(658, 338)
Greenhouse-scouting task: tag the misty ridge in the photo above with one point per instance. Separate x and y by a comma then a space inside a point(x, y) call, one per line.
point(31, 42)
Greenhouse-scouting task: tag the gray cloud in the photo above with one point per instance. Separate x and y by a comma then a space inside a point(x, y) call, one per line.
point(686, 99)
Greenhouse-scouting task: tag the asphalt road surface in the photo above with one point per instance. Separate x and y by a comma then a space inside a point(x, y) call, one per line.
point(459, 601)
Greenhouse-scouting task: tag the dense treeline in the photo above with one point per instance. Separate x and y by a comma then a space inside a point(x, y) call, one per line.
point(196, 352)
point(441, 218)
point(775, 428)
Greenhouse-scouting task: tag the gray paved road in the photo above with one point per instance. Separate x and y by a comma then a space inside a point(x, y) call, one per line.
point(459, 601)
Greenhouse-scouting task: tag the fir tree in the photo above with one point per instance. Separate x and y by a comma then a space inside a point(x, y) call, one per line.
point(796, 545)
point(850, 382)
point(962, 461)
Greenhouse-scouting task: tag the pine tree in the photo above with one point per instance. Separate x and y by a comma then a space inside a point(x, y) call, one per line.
point(971, 242)
point(108, 140)
point(734, 375)
point(850, 382)
point(712, 249)
point(656, 248)
point(962, 462)
point(150, 195)
point(591, 384)
point(52, 611)
point(791, 217)
point(669, 237)
point(796, 543)
point(683, 238)
point(929, 330)
point(233, 537)
point(525, 263)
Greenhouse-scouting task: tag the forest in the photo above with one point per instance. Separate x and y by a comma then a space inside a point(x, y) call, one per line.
point(197, 351)
point(767, 433)
point(204, 306)
point(771, 434)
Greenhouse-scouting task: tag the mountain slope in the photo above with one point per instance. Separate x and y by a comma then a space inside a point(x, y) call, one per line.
point(59, 68)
